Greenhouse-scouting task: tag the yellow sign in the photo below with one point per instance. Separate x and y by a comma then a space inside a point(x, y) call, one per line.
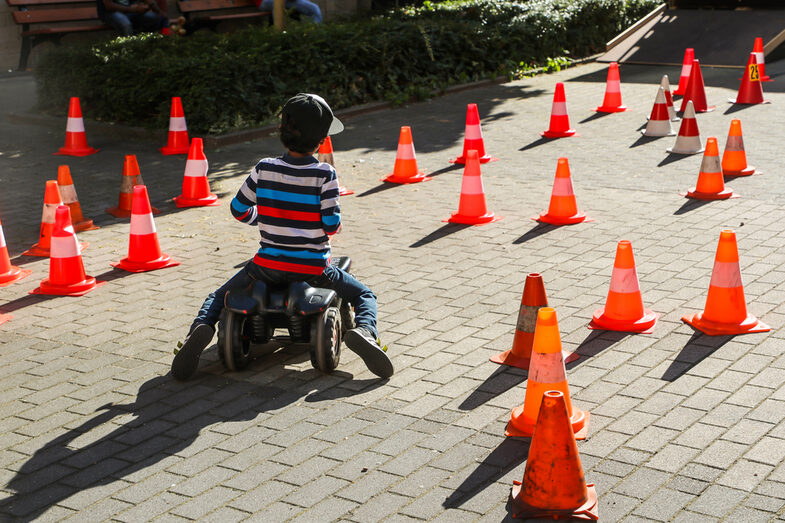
point(754, 75)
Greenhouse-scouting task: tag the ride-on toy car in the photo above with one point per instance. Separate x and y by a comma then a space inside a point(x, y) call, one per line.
point(311, 315)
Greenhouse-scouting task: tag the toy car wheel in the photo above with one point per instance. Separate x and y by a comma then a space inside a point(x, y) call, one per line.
point(234, 340)
point(326, 340)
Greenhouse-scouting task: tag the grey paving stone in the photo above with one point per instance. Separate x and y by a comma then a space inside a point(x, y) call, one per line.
point(717, 501)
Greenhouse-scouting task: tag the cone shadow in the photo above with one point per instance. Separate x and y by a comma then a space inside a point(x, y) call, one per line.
point(497, 383)
point(113, 274)
point(594, 116)
point(735, 108)
point(643, 140)
point(537, 230)
point(537, 143)
point(380, 188)
point(450, 168)
point(593, 344)
point(673, 157)
point(441, 232)
point(699, 347)
point(24, 301)
point(690, 205)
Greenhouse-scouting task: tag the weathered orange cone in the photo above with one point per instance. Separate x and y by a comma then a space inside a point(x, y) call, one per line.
point(405, 170)
point(546, 372)
point(563, 209)
point(553, 483)
point(726, 309)
point(689, 139)
point(4, 318)
point(612, 101)
point(51, 202)
point(472, 139)
point(66, 269)
point(131, 176)
point(196, 187)
point(761, 59)
point(177, 141)
point(144, 253)
point(659, 123)
point(666, 86)
point(8, 273)
point(471, 207)
point(560, 120)
point(75, 137)
point(68, 193)
point(326, 156)
point(623, 309)
point(734, 159)
point(696, 91)
point(751, 89)
point(686, 69)
point(711, 185)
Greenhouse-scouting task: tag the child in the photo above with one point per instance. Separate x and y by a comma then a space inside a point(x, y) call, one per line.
point(294, 200)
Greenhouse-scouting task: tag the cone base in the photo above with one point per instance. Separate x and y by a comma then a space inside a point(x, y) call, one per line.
point(419, 177)
point(579, 421)
point(75, 289)
point(15, 274)
point(35, 250)
point(473, 220)
point(168, 151)
point(343, 191)
point(722, 195)
point(652, 134)
point(673, 150)
point(512, 359)
point(712, 328)
point(483, 159)
point(586, 512)
point(4, 318)
point(545, 217)
point(207, 201)
point(87, 151)
point(617, 109)
point(117, 212)
point(136, 266)
point(734, 101)
point(643, 325)
point(559, 134)
point(86, 225)
point(749, 171)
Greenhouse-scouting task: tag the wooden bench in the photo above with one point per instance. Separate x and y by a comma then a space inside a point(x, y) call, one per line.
point(211, 12)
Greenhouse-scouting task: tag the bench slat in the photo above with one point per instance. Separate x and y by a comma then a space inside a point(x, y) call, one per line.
point(189, 6)
point(55, 15)
point(24, 3)
point(64, 30)
point(239, 15)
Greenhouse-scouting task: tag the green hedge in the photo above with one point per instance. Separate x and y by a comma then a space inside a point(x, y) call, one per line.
point(240, 79)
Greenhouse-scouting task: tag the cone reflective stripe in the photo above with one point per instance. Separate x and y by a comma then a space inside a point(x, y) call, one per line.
point(560, 120)
point(405, 170)
point(471, 207)
point(144, 253)
point(666, 86)
point(472, 139)
point(624, 309)
point(68, 193)
point(546, 372)
point(757, 49)
point(689, 139)
point(75, 137)
point(726, 309)
point(751, 89)
point(131, 176)
point(196, 186)
point(553, 483)
point(686, 69)
point(659, 123)
point(51, 202)
point(326, 156)
point(66, 270)
point(612, 101)
point(177, 141)
point(563, 208)
point(696, 91)
point(8, 273)
point(711, 184)
point(734, 159)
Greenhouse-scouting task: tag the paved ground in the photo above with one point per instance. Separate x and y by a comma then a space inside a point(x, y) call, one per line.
point(684, 427)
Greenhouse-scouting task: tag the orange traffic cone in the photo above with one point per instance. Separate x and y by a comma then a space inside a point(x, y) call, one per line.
point(666, 86)
point(196, 187)
point(726, 310)
point(751, 89)
point(711, 185)
point(326, 156)
point(612, 101)
point(560, 120)
point(68, 193)
point(686, 69)
point(405, 170)
point(144, 253)
point(760, 58)
point(51, 202)
point(546, 372)
point(131, 176)
point(472, 139)
point(4, 318)
point(75, 137)
point(177, 141)
point(734, 159)
point(623, 309)
point(689, 139)
point(553, 483)
point(66, 269)
point(471, 207)
point(696, 91)
point(563, 209)
point(659, 123)
point(8, 273)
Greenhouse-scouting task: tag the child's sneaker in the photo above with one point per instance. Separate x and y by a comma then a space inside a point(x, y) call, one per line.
point(362, 342)
point(186, 360)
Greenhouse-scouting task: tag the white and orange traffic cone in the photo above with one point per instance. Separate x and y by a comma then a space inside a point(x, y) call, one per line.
point(68, 193)
point(666, 86)
point(751, 88)
point(711, 185)
point(196, 187)
point(52, 201)
point(405, 170)
point(612, 101)
point(8, 273)
point(689, 139)
point(734, 159)
point(471, 207)
point(560, 120)
point(177, 140)
point(131, 176)
point(686, 69)
point(75, 136)
point(760, 58)
point(659, 123)
point(472, 139)
point(326, 155)
point(563, 208)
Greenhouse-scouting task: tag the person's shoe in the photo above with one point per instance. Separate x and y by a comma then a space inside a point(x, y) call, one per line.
point(186, 359)
point(362, 342)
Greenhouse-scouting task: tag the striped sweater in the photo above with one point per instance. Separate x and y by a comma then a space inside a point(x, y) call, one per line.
point(295, 203)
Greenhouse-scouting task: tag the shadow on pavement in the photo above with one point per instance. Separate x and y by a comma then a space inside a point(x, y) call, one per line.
point(690, 205)
point(697, 348)
point(449, 168)
point(382, 187)
point(593, 344)
point(594, 116)
point(536, 143)
point(441, 232)
point(537, 230)
point(643, 140)
point(735, 108)
point(497, 383)
point(25, 301)
point(673, 157)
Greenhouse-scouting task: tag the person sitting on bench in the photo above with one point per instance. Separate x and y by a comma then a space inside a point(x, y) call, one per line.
point(133, 16)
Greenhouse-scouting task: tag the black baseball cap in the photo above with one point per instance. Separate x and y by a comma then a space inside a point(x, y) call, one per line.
point(311, 116)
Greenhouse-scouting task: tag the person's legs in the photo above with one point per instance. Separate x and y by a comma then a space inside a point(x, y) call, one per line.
point(148, 22)
point(121, 22)
point(307, 8)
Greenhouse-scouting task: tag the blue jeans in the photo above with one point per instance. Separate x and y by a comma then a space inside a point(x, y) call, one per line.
point(347, 286)
point(304, 7)
point(129, 23)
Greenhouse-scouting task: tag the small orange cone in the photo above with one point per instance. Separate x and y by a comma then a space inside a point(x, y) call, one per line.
point(51, 202)
point(68, 192)
point(623, 309)
point(472, 139)
point(711, 185)
point(666, 86)
point(75, 137)
point(177, 141)
point(761, 59)
point(751, 89)
point(196, 187)
point(689, 139)
point(8, 273)
point(560, 120)
point(734, 159)
point(686, 69)
point(612, 101)
point(725, 313)
point(144, 253)
point(696, 91)
point(546, 372)
point(4, 318)
point(66, 269)
point(563, 209)
point(326, 156)
point(405, 170)
point(659, 123)
point(553, 483)
point(471, 207)
point(131, 176)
